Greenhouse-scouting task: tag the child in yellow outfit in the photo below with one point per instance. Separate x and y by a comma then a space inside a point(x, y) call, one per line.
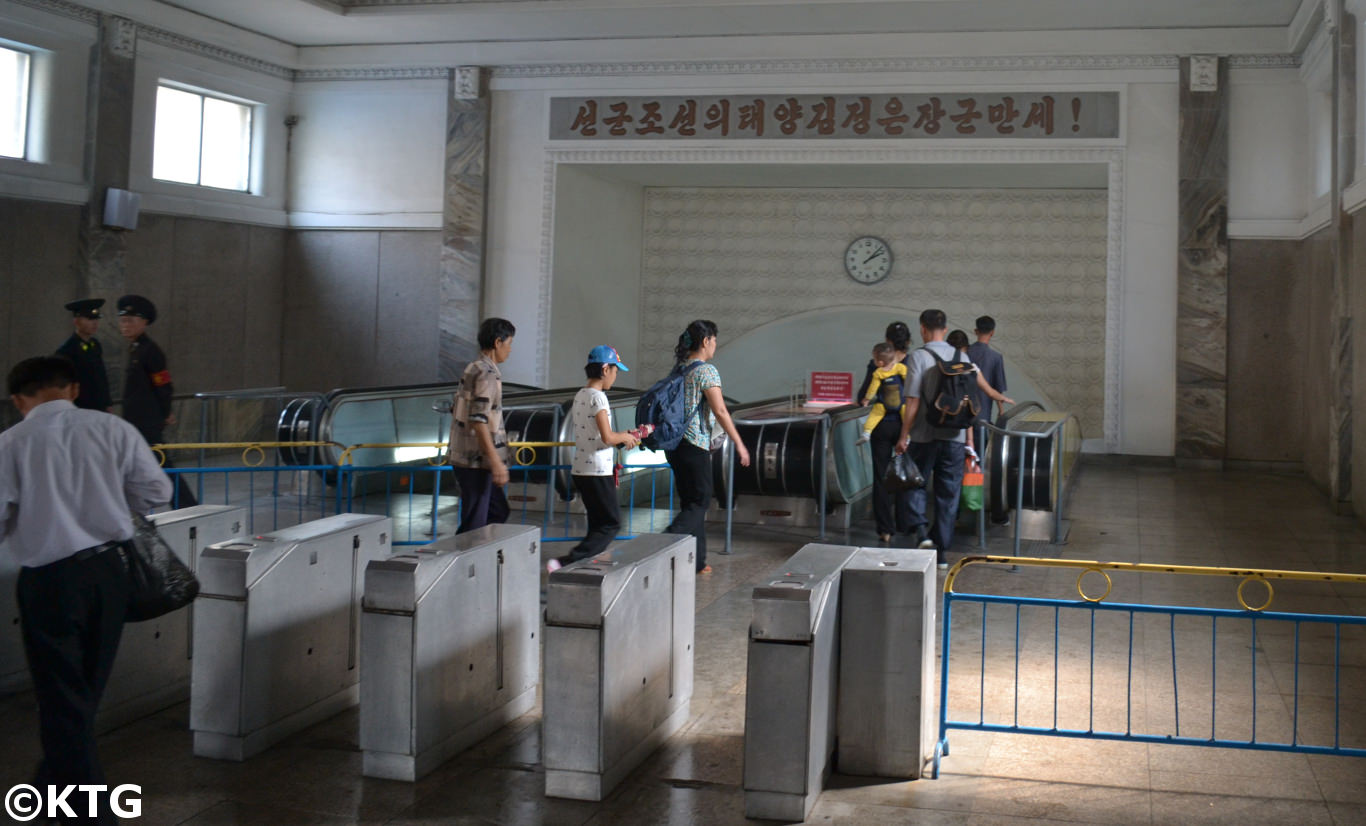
point(884, 389)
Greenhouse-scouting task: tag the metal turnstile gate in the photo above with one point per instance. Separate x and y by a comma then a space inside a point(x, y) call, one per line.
point(152, 669)
point(618, 661)
point(276, 634)
point(449, 651)
point(791, 687)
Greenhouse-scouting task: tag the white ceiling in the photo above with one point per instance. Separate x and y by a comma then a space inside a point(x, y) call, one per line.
point(358, 22)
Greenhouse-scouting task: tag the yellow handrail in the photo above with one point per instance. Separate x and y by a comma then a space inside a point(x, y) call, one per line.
point(345, 457)
point(1247, 575)
point(247, 448)
point(518, 447)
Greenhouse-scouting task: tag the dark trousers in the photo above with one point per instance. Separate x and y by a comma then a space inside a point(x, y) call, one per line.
point(599, 494)
point(481, 502)
point(71, 615)
point(891, 509)
point(693, 483)
point(943, 460)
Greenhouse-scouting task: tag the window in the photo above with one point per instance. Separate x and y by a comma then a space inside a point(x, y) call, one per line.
point(14, 70)
point(201, 139)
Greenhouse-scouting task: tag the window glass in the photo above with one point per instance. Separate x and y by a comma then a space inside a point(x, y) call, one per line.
point(14, 71)
point(200, 139)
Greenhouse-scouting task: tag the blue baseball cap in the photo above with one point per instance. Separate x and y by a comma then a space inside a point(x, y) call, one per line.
point(603, 354)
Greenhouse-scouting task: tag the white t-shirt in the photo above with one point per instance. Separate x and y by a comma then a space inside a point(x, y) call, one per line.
point(592, 456)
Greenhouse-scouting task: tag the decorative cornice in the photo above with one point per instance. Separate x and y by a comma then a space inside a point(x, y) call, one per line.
point(186, 44)
point(849, 65)
point(1263, 61)
point(63, 8)
point(123, 37)
point(401, 73)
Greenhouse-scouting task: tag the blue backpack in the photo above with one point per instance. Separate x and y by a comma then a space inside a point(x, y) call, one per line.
point(662, 406)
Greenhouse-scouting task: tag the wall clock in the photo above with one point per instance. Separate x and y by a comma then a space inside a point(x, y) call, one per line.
point(868, 259)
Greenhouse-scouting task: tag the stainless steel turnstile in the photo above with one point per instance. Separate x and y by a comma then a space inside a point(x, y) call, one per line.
point(886, 720)
point(791, 687)
point(276, 634)
point(449, 651)
point(618, 661)
point(152, 670)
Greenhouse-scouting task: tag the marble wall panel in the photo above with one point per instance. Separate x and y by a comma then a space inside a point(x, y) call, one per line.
point(263, 327)
point(1357, 285)
point(1034, 259)
point(1318, 362)
point(463, 237)
point(206, 312)
point(1268, 317)
point(407, 307)
point(330, 309)
point(9, 313)
point(43, 273)
point(1202, 270)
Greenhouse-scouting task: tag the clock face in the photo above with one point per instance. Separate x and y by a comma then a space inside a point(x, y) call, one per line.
point(868, 260)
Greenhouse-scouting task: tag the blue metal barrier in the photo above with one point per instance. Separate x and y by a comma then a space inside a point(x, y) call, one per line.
point(1079, 651)
point(408, 494)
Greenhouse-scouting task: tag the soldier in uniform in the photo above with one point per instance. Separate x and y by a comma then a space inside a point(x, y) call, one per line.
point(147, 387)
point(85, 352)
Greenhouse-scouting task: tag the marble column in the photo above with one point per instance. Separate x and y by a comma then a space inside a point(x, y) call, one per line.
point(464, 215)
point(1341, 406)
point(108, 147)
point(1202, 273)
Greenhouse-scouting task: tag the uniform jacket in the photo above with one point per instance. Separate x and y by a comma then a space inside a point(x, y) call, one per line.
point(88, 356)
point(147, 389)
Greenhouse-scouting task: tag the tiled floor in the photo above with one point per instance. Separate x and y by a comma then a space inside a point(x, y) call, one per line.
point(1120, 512)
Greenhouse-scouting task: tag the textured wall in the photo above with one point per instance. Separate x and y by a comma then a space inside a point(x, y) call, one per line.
point(217, 287)
point(38, 274)
point(1267, 321)
point(1034, 259)
point(1317, 387)
point(360, 308)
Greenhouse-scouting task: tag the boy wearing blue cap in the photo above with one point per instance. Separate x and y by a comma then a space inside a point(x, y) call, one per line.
point(594, 438)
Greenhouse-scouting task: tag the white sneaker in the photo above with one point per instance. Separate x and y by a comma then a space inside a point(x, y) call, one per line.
point(553, 565)
point(926, 545)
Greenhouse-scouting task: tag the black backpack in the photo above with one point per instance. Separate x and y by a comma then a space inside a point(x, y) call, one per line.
point(949, 401)
point(662, 406)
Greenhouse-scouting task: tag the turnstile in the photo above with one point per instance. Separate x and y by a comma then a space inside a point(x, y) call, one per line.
point(449, 652)
point(153, 655)
point(152, 669)
point(886, 722)
point(791, 688)
point(276, 634)
point(618, 661)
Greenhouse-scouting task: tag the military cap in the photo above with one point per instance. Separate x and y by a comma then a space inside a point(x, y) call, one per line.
point(86, 307)
point(138, 306)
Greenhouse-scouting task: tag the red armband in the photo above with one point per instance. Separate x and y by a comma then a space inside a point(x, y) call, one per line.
point(161, 378)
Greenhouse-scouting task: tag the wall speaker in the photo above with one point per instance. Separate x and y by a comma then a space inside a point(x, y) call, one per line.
point(121, 208)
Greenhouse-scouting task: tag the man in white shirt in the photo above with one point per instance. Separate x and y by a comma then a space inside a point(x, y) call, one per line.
point(68, 479)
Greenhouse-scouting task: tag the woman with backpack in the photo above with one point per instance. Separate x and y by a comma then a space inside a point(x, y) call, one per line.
point(691, 460)
point(891, 510)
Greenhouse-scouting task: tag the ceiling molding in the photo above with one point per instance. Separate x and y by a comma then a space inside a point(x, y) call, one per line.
point(867, 65)
point(398, 73)
point(199, 47)
point(63, 8)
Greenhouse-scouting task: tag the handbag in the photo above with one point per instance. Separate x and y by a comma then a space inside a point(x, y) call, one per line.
point(159, 582)
point(903, 474)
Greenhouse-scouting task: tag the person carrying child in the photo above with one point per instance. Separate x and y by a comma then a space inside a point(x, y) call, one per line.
point(594, 459)
point(884, 388)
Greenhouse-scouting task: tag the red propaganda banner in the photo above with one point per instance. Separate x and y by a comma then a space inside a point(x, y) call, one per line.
point(831, 388)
